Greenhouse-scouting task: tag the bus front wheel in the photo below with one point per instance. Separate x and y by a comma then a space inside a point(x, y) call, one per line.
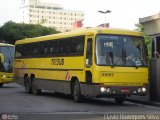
point(1, 85)
point(35, 89)
point(77, 92)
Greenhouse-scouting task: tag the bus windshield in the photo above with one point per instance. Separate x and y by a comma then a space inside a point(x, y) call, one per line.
point(120, 50)
point(7, 52)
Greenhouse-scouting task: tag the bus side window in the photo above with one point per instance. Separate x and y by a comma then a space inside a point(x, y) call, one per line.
point(77, 45)
point(18, 52)
point(53, 47)
point(89, 53)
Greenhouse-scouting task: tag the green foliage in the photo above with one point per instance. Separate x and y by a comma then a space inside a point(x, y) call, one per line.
point(147, 39)
point(11, 31)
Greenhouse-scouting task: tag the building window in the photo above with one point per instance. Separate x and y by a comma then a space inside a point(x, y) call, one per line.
point(49, 8)
point(31, 6)
point(41, 7)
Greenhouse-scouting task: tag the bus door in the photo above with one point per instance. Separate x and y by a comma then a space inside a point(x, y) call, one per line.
point(88, 66)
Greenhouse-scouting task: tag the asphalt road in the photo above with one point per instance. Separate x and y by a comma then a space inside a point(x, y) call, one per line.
point(16, 104)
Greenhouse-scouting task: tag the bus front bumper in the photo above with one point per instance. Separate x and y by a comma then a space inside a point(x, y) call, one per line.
point(6, 79)
point(119, 90)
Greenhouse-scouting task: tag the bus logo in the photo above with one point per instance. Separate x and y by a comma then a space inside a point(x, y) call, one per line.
point(106, 74)
point(57, 61)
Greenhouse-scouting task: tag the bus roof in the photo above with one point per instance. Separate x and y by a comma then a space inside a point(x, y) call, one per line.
point(6, 44)
point(82, 31)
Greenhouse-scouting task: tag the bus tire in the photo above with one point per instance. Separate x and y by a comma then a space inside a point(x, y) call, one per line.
point(35, 89)
point(77, 92)
point(28, 87)
point(1, 85)
point(119, 100)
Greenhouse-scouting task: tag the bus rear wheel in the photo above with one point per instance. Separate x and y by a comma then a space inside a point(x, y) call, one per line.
point(1, 85)
point(35, 89)
point(28, 87)
point(77, 92)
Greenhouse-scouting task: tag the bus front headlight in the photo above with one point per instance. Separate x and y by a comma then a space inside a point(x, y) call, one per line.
point(144, 89)
point(4, 76)
point(139, 90)
point(108, 90)
point(102, 89)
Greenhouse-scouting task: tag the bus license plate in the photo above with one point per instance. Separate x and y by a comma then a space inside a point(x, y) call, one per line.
point(125, 90)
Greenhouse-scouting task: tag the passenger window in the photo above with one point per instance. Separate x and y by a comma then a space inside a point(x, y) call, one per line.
point(77, 45)
point(53, 47)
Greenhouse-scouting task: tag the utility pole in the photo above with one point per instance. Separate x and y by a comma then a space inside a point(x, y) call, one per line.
point(105, 12)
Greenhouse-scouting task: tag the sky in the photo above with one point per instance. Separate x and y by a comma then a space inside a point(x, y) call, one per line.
point(125, 13)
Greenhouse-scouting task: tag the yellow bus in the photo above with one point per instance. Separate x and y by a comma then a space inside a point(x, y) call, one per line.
point(6, 63)
point(93, 62)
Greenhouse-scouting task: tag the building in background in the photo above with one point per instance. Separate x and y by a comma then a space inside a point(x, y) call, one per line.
point(49, 14)
point(78, 24)
point(152, 28)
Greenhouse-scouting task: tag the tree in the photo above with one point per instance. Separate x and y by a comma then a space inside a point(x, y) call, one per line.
point(11, 31)
point(147, 39)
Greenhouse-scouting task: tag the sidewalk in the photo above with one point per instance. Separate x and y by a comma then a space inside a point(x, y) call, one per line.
point(143, 100)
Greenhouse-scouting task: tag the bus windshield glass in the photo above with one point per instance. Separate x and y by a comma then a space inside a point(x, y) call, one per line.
point(120, 50)
point(7, 64)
